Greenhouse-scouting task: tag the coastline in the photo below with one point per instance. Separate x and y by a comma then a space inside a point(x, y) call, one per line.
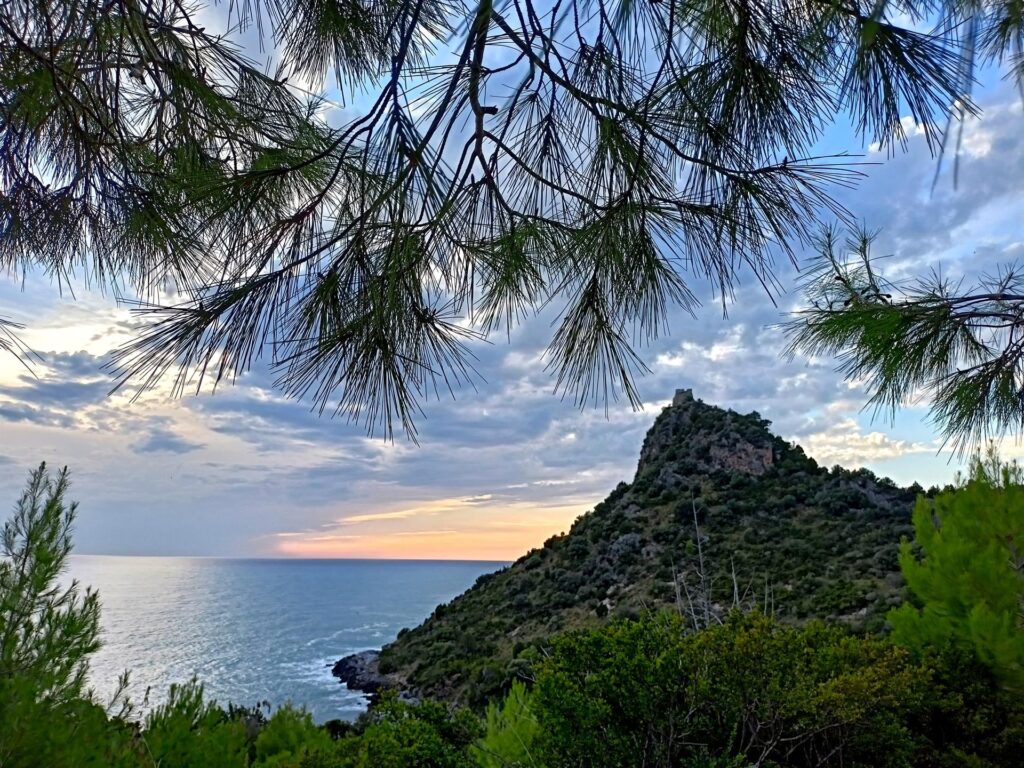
point(361, 672)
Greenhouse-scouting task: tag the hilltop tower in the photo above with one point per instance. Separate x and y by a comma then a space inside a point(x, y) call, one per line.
point(683, 397)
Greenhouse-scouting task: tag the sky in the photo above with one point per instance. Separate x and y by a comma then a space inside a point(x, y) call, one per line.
point(244, 472)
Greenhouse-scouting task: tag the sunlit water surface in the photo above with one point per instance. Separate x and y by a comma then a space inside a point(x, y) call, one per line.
point(255, 630)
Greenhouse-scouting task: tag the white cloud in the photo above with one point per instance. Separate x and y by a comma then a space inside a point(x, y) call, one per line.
point(845, 443)
point(373, 517)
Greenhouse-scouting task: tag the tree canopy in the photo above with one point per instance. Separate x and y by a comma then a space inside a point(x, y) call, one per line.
point(966, 571)
point(482, 161)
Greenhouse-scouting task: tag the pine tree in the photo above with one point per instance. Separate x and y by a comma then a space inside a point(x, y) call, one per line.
point(958, 348)
point(966, 570)
point(47, 628)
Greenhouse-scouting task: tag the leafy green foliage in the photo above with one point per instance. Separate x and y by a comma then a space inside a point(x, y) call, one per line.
point(187, 730)
point(752, 691)
point(511, 730)
point(395, 734)
point(288, 736)
point(968, 719)
point(746, 692)
point(966, 570)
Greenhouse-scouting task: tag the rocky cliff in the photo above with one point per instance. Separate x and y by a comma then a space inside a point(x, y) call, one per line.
point(720, 511)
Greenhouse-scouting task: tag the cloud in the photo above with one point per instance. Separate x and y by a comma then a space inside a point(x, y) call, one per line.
point(57, 390)
point(369, 518)
point(844, 443)
point(15, 412)
point(165, 441)
point(508, 463)
point(330, 538)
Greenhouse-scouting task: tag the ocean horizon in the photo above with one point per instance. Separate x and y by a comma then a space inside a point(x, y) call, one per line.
point(256, 629)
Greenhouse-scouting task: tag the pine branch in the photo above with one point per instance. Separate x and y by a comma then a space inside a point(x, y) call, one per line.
point(599, 157)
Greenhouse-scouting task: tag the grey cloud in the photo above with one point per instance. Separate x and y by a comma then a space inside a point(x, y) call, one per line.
point(65, 395)
point(165, 441)
point(79, 364)
point(63, 385)
point(21, 412)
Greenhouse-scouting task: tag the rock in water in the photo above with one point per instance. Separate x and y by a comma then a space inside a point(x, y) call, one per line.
point(360, 672)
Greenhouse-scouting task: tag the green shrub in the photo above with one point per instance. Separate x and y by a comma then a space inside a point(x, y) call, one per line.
point(400, 735)
point(748, 692)
point(968, 719)
point(188, 730)
point(288, 736)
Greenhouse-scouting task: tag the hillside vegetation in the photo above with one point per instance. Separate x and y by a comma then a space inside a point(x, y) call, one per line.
point(713, 487)
point(667, 690)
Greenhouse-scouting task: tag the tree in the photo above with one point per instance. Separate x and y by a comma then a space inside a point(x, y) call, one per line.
point(47, 629)
point(505, 157)
point(959, 348)
point(968, 579)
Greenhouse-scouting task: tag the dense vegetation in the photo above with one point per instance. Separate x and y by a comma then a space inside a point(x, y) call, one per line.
point(752, 691)
point(652, 692)
point(720, 512)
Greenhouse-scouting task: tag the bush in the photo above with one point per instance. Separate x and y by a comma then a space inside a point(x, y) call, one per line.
point(968, 720)
point(748, 692)
point(288, 736)
point(189, 731)
point(399, 735)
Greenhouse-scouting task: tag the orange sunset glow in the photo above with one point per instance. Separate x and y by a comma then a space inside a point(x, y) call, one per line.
point(445, 530)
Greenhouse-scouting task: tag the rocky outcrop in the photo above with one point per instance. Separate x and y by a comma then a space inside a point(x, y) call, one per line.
point(683, 440)
point(742, 457)
point(717, 502)
point(361, 672)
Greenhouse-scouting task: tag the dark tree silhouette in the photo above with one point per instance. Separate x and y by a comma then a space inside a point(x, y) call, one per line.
point(487, 160)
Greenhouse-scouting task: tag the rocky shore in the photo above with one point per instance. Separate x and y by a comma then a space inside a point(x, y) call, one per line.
point(361, 672)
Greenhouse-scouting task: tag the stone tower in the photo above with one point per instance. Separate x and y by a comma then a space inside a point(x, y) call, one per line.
point(683, 397)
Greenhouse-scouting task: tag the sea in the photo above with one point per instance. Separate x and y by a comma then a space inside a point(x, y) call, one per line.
point(256, 630)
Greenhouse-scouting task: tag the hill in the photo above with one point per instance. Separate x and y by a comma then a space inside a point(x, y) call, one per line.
point(720, 510)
